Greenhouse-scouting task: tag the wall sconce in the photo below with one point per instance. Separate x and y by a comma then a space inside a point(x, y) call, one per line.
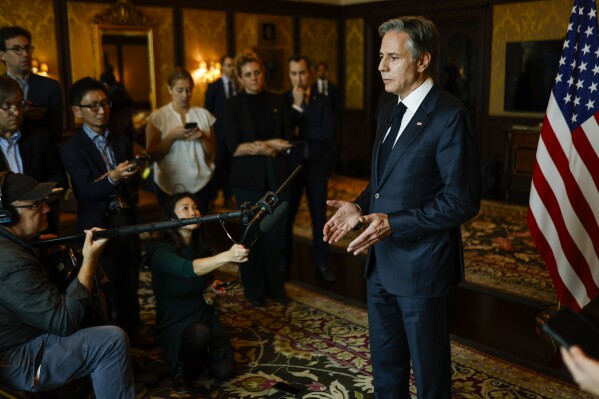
point(39, 68)
point(207, 72)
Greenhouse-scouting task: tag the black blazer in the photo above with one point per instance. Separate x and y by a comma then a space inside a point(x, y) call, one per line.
point(85, 165)
point(430, 185)
point(46, 92)
point(334, 95)
point(215, 101)
point(316, 126)
point(40, 157)
point(249, 171)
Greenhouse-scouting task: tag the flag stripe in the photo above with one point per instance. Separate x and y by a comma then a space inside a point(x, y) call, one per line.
point(545, 249)
point(567, 284)
point(560, 216)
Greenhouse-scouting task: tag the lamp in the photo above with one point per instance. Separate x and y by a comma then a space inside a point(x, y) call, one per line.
point(207, 72)
point(39, 68)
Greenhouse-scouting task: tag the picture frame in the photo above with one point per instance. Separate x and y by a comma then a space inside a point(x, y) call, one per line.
point(267, 34)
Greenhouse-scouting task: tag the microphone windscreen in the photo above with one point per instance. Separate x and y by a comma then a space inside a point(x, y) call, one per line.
point(270, 220)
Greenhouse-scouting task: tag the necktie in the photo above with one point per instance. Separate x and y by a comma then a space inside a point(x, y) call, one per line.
point(230, 92)
point(387, 145)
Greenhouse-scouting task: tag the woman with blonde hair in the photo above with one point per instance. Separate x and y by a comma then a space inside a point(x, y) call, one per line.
point(257, 130)
point(180, 140)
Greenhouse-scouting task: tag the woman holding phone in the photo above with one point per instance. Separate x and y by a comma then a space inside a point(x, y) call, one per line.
point(180, 140)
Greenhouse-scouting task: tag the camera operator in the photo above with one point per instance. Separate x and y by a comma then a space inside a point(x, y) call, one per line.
point(42, 345)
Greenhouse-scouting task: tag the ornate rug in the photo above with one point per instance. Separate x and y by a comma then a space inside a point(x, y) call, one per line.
point(320, 346)
point(498, 249)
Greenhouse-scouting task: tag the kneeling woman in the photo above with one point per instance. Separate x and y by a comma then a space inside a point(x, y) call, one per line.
point(186, 326)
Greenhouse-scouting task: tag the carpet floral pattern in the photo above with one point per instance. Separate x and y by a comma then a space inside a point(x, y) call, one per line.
point(498, 248)
point(320, 345)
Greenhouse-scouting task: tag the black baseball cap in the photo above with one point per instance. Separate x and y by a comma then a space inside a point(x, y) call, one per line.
point(20, 187)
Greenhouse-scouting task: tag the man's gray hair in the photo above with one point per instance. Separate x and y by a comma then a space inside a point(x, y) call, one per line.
point(422, 32)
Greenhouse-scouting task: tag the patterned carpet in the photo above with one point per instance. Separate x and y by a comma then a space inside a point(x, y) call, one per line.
point(498, 249)
point(320, 345)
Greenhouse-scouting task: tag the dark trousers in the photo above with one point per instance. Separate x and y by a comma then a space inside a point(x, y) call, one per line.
point(316, 193)
point(260, 275)
point(120, 260)
point(404, 328)
point(222, 167)
point(100, 352)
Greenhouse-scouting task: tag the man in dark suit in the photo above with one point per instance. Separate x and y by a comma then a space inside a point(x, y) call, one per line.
point(105, 185)
point(324, 86)
point(216, 95)
point(424, 183)
point(43, 95)
point(26, 149)
point(313, 124)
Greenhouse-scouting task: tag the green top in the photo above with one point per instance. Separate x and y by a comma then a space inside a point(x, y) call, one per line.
point(180, 301)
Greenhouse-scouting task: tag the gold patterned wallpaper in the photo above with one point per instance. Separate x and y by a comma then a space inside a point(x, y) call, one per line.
point(164, 54)
point(274, 51)
point(354, 63)
point(516, 22)
point(80, 19)
point(37, 16)
point(318, 40)
point(205, 35)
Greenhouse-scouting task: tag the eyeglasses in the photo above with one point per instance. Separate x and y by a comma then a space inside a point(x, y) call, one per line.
point(14, 107)
point(18, 50)
point(35, 205)
point(95, 107)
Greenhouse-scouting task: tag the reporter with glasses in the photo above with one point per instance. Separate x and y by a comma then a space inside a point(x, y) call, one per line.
point(105, 186)
point(26, 149)
point(187, 328)
point(45, 105)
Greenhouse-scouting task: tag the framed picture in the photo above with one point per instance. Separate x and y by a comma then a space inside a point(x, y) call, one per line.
point(267, 34)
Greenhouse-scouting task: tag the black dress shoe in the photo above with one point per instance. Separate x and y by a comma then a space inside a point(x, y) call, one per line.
point(256, 302)
point(324, 273)
point(283, 300)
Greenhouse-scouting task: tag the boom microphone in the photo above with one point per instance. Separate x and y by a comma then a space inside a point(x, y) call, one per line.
point(256, 229)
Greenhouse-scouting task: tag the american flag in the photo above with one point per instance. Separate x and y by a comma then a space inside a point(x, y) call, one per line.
point(563, 215)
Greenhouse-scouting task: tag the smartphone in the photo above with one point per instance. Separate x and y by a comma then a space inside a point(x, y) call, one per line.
point(568, 328)
point(190, 125)
point(139, 160)
point(282, 386)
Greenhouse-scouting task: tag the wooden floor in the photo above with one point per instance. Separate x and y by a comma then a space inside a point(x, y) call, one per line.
point(495, 324)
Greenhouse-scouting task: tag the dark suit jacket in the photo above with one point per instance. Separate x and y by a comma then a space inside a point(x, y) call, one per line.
point(215, 101)
point(40, 157)
point(430, 186)
point(316, 126)
point(46, 92)
point(334, 93)
point(249, 172)
point(84, 164)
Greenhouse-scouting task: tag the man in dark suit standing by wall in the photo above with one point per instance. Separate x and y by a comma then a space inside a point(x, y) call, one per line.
point(324, 86)
point(313, 125)
point(25, 149)
point(105, 185)
point(216, 95)
point(45, 106)
point(424, 183)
